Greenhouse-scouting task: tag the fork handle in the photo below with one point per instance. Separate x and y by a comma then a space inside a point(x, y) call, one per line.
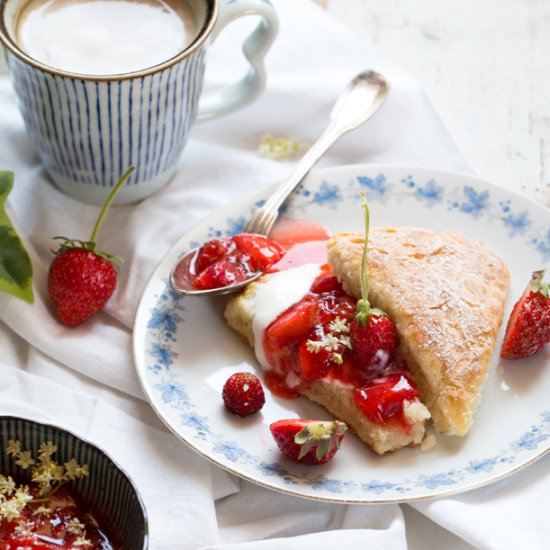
point(361, 99)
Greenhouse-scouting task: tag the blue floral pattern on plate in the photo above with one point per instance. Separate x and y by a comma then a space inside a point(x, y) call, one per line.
point(167, 319)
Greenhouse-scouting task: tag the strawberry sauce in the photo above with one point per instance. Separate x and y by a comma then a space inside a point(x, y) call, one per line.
point(310, 341)
point(61, 525)
point(226, 261)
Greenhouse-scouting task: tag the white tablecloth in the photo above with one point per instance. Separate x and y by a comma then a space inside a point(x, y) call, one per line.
point(84, 379)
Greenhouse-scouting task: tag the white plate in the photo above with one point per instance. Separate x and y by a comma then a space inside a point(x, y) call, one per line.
point(184, 352)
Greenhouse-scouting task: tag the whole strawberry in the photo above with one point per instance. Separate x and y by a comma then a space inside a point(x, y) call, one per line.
point(372, 333)
point(373, 340)
point(308, 441)
point(243, 394)
point(80, 279)
point(528, 329)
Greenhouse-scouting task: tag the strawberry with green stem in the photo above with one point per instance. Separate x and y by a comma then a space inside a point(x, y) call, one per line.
point(81, 280)
point(372, 333)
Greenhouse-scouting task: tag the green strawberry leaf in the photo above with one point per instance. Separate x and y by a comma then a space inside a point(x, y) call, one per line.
point(15, 264)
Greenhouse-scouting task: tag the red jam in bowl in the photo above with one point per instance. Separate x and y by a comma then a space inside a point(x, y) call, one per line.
point(60, 523)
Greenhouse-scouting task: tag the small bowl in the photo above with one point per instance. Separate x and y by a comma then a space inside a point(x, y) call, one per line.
point(107, 488)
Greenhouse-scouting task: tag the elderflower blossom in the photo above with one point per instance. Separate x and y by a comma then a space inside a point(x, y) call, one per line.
point(7, 485)
point(24, 528)
point(339, 325)
point(47, 448)
point(9, 509)
point(314, 346)
point(331, 342)
point(75, 526)
point(82, 542)
point(73, 470)
point(47, 473)
point(25, 460)
point(13, 448)
point(22, 496)
point(42, 510)
point(335, 341)
point(82, 471)
point(345, 341)
point(279, 148)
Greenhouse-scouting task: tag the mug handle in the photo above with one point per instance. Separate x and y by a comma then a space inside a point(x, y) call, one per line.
point(234, 96)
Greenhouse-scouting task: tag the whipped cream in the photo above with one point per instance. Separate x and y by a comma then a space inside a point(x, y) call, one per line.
point(280, 291)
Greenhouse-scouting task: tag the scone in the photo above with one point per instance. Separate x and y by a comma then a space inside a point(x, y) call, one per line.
point(252, 314)
point(446, 296)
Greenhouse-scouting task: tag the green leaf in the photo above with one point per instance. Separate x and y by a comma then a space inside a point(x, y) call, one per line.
point(15, 264)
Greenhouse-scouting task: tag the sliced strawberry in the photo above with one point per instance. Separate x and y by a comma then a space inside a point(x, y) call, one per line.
point(528, 329)
point(382, 398)
point(210, 252)
point(313, 366)
point(262, 252)
point(294, 324)
point(326, 283)
point(308, 441)
point(219, 274)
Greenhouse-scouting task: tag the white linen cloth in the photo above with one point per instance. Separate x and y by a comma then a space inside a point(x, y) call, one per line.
point(84, 378)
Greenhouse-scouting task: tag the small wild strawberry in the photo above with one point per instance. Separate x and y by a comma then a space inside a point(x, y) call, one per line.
point(243, 393)
point(80, 279)
point(372, 333)
point(528, 329)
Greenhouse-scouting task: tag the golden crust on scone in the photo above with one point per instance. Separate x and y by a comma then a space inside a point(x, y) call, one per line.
point(446, 296)
point(336, 398)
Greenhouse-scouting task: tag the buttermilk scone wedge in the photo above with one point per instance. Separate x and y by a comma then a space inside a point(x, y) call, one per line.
point(446, 296)
point(242, 313)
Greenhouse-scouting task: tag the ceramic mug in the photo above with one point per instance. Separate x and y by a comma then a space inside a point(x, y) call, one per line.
point(89, 129)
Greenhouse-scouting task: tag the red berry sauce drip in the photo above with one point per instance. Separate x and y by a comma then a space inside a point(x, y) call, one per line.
point(53, 531)
point(310, 341)
point(226, 261)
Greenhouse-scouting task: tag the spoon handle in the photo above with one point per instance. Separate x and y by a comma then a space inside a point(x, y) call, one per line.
point(362, 98)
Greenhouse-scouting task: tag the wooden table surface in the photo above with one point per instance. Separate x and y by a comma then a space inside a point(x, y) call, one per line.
point(484, 65)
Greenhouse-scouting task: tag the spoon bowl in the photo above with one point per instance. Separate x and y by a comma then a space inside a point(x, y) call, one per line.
point(181, 283)
point(361, 99)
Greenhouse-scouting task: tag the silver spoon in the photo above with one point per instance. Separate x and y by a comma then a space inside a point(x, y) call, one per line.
point(363, 96)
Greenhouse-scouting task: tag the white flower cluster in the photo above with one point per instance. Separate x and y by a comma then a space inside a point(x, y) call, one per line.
point(49, 476)
point(336, 341)
point(280, 148)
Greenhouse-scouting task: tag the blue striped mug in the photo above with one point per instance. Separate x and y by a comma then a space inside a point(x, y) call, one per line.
point(87, 129)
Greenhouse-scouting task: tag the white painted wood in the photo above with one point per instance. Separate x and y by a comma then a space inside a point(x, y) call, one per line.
point(485, 66)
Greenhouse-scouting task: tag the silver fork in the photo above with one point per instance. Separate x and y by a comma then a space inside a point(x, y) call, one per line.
point(361, 99)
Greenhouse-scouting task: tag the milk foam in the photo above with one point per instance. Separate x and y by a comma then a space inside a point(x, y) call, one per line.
point(104, 37)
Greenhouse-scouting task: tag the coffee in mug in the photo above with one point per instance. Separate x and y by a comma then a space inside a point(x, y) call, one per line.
point(107, 84)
